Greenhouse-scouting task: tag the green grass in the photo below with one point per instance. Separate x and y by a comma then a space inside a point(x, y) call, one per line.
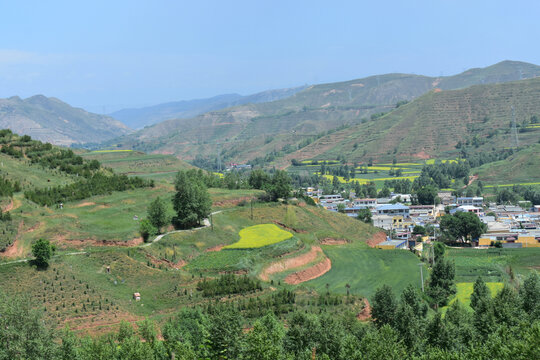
point(260, 235)
point(368, 269)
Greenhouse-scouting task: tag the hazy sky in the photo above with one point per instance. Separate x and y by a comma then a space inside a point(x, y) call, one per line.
point(105, 55)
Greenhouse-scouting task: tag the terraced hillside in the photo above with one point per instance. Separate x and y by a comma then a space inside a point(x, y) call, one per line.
point(438, 124)
point(275, 129)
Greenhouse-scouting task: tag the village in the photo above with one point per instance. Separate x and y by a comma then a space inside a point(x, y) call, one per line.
point(410, 226)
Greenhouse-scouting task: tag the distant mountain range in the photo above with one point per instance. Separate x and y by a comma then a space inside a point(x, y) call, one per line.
point(51, 120)
point(141, 117)
point(299, 125)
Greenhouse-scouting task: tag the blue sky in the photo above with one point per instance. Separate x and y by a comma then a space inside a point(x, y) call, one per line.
point(106, 55)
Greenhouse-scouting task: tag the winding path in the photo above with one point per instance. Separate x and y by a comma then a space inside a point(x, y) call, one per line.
point(206, 223)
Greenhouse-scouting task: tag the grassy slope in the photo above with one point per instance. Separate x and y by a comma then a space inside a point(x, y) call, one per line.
point(29, 175)
point(522, 167)
point(155, 166)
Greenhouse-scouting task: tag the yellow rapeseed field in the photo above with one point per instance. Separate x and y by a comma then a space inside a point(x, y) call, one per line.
point(260, 235)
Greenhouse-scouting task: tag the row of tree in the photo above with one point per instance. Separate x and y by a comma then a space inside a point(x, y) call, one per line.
point(96, 184)
point(506, 326)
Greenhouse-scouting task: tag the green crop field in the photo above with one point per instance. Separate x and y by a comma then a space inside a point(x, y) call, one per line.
point(493, 264)
point(465, 290)
point(366, 269)
point(260, 235)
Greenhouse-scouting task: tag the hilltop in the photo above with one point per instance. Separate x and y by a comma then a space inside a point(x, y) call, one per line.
point(51, 120)
point(145, 116)
point(267, 131)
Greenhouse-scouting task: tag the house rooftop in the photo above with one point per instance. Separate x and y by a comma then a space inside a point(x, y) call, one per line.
point(397, 206)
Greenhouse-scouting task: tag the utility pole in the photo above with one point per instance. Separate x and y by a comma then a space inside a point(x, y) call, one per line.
point(251, 202)
point(421, 275)
point(212, 221)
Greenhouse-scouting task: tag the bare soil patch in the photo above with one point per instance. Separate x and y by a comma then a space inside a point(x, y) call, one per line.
point(15, 250)
point(376, 239)
point(63, 242)
point(86, 203)
point(290, 228)
point(330, 241)
point(365, 314)
point(215, 248)
point(310, 273)
point(232, 202)
point(291, 263)
point(156, 261)
point(8, 207)
point(422, 155)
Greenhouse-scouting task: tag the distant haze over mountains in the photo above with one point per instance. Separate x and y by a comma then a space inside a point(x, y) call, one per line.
point(141, 117)
point(51, 120)
point(271, 129)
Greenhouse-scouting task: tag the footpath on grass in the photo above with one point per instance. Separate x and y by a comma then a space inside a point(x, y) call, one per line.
point(206, 223)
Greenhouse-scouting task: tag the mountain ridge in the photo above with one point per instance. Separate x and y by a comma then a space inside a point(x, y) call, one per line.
point(51, 120)
point(137, 118)
point(244, 133)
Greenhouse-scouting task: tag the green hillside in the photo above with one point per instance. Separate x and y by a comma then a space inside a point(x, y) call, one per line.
point(274, 130)
point(521, 168)
point(439, 125)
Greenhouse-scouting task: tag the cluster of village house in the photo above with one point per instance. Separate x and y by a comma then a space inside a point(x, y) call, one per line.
point(511, 225)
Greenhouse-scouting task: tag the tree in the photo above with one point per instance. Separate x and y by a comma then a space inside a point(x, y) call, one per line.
point(385, 192)
point(42, 251)
point(411, 297)
point(23, 334)
point(157, 214)
point(146, 229)
point(258, 179)
point(384, 306)
point(341, 208)
point(419, 230)
point(191, 202)
point(480, 293)
point(462, 226)
point(280, 185)
point(441, 282)
point(225, 331)
point(530, 294)
point(265, 341)
point(426, 195)
point(365, 216)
